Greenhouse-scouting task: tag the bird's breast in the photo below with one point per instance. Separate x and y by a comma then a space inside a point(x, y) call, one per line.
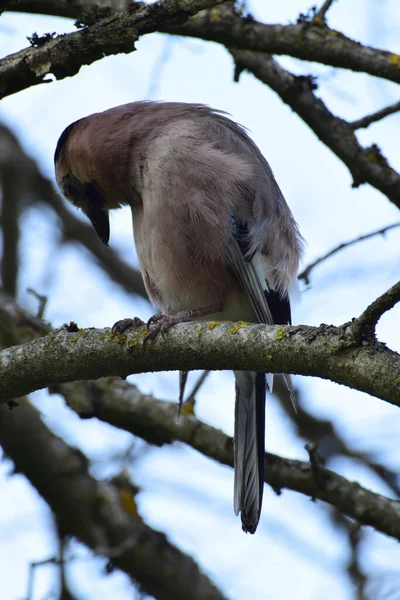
point(177, 276)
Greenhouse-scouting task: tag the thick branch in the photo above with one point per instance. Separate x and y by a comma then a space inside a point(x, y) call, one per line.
point(122, 405)
point(305, 274)
point(98, 512)
point(67, 8)
point(65, 55)
point(313, 41)
point(329, 352)
point(367, 165)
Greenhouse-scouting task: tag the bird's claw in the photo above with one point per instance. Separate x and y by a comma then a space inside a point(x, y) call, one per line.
point(121, 326)
point(161, 324)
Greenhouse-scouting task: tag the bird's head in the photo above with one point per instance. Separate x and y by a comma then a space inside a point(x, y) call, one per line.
point(75, 181)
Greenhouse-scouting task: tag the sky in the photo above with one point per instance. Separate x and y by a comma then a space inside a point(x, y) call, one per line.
point(195, 506)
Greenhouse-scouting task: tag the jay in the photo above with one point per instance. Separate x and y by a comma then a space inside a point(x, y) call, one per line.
point(213, 233)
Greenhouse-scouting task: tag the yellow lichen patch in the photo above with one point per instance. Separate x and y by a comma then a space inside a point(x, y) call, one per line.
point(239, 325)
point(398, 380)
point(102, 337)
point(128, 502)
point(199, 332)
point(75, 338)
point(318, 21)
point(144, 333)
point(133, 343)
point(213, 324)
point(395, 60)
point(280, 332)
point(269, 356)
point(215, 14)
point(187, 408)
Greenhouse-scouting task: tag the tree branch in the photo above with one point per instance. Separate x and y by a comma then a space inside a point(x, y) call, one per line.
point(64, 55)
point(313, 41)
point(321, 13)
point(120, 404)
point(97, 512)
point(374, 117)
point(71, 9)
point(305, 274)
point(334, 353)
point(367, 165)
point(364, 327)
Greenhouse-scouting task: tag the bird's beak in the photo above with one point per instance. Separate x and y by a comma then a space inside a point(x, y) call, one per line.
point(101, 222)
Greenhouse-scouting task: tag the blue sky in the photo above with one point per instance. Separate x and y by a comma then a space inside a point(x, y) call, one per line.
point(184, 494)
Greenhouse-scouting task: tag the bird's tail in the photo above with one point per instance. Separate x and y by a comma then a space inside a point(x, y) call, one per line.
point(249, 447)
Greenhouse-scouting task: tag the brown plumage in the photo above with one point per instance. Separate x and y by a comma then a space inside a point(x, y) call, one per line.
point(211, 229)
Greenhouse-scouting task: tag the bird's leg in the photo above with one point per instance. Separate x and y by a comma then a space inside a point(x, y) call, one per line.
point(161, 323)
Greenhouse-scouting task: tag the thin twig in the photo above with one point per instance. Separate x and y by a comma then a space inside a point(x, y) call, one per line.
point(376, 116)
point(197, 386)
point(324, 9)
point(364, 326)
point(32, 569)
point(306, 272)
point(42, 302)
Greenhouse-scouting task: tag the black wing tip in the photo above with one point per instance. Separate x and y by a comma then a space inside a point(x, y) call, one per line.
point(248, 527)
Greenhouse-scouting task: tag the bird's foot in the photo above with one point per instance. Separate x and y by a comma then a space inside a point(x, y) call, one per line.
point(121, 326)
point(159, 324)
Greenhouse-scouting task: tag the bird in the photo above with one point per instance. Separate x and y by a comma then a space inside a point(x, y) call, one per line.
point(214, 236)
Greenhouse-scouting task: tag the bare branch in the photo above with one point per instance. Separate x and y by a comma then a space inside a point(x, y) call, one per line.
point(122, 405)
point(313, 41)
point(367, 165)
point(64, 55)
point(334, 353)
point(374, 117)
point(330, 442)
point(67, 8)
point(197, 386)
point(305, 274)
point(364, 327)
point(95, 512)
point(321, 13)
